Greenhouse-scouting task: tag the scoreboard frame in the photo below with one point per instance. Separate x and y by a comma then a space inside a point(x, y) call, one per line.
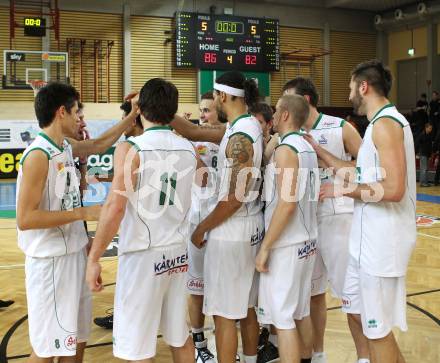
point(227, 42)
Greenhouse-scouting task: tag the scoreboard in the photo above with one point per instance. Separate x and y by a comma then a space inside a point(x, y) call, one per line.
point(225, 42)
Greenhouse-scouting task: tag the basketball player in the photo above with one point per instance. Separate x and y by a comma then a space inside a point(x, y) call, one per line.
point(149, 199)
point(50, 226)
point(203, 202)
point(234, 229)
point(383, 232)
point(135, 129)
point(287, 254)
point(334, 216)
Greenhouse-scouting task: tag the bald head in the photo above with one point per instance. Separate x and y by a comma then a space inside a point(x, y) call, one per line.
point(296, 106)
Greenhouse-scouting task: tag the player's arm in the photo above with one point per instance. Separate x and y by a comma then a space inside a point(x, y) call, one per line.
point(104, 141)
point(240, 151)
point(29, 215)
point(113, 210)
point(352, 140)
point(287, 164)
point(194, 132)
point(388, 137)
point(270, 147)
point(201, 176)
point(326, 157)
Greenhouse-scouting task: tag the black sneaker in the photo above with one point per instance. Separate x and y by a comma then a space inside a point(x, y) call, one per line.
point(263, 338)
point(203, 354)
point(5, 303)
point(268, 353)
point(105, 322)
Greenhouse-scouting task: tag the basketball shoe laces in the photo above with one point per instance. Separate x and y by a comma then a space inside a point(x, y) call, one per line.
point(205, 354)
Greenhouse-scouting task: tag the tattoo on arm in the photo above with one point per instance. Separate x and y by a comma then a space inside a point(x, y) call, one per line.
point(240, 150)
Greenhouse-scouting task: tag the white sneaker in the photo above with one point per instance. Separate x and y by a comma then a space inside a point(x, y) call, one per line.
point(202, 353)
point(319, 358)
point(363, 360)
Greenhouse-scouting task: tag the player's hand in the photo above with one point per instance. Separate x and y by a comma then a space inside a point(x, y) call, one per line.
point(187, 116)
point(133, 97)
point(261, 260)
point(328, 190)
point(198, 238)
point(91, 213)
point(93, 276)
point(309, 138)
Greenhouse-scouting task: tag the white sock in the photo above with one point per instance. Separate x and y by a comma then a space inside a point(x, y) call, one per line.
point(363, 360)
point(196, 330)
point(318, 354)
point(273, 338)
point(250, 358)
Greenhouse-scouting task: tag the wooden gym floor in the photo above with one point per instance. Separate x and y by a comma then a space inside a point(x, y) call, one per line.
point(420, 344)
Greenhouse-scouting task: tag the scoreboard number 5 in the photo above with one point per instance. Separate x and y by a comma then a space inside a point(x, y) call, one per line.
point(253, 29)
point(204, 26)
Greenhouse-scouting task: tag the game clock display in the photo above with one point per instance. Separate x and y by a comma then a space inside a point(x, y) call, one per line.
point(35, 27)
point(225, 42)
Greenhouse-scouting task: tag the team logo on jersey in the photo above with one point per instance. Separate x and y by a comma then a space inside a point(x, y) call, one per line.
point(372, 323)
point(307, 250)
point(202, 149)
point(323, 140)
point(257, 237)
point(195, 284)
point(346, 302)
point(426, 221)
point(60, 167)
point(70, 342)
point(171, 266)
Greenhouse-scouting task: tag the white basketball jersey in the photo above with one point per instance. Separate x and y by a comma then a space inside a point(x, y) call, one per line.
point(303, 226)
point(248, 126)
point(157, 210)
point(204, 200)
point(61, 192)
point(383, 234)
point(327, 131)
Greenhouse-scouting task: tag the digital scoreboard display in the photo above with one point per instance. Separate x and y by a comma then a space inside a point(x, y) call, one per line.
point(34, 27)
point(225, 42)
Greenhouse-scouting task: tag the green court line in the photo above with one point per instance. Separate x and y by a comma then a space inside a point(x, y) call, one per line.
point(7, 214)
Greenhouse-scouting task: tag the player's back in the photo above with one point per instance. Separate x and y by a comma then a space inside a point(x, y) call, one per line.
point(156, 214)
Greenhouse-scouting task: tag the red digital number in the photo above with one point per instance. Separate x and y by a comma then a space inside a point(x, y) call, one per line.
point(210, 58)
point(250, 59)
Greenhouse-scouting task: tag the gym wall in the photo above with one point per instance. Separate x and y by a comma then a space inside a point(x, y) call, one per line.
point(398, 44)
point(152, 55)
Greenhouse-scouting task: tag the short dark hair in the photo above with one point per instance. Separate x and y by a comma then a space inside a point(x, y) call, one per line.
point(158, 100)
point(238, 80)
point(303, 86)
point(375, 74)
point(297, 106)
point(207, 96)
point(80, 105)
point(262, 108)
point(126, 107)
point(50, 98)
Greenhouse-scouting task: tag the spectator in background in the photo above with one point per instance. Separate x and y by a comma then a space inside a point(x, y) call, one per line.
point(421, 113)
point(434, 111)
point(424, 143)
point(436, 157)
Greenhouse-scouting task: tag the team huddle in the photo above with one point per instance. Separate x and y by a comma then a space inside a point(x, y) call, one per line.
point(251, 214)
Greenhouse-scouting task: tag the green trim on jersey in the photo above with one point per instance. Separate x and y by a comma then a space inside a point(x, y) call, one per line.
point(383, 108)
point(155, 128)
point(315, 125)
point(239, 117)
point(391, 117)
point(243, 134)
point(290, 146)
point(42, 134)
point(133, 144)
point(290, 133)
point(343, 122)
point(36, 148)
